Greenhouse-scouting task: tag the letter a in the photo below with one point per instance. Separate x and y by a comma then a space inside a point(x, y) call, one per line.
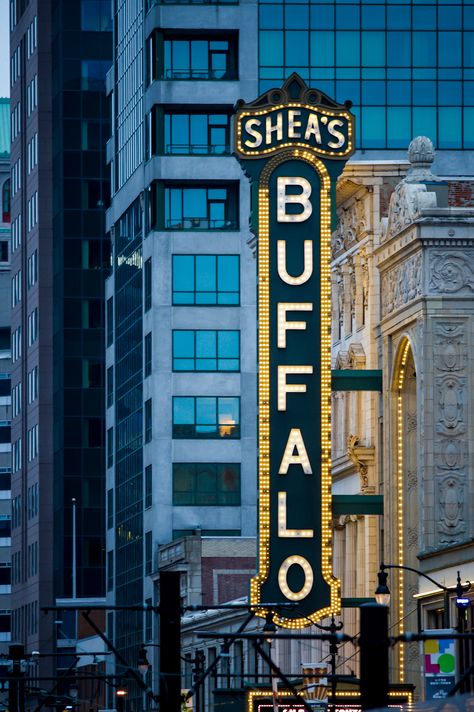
point(295, 440)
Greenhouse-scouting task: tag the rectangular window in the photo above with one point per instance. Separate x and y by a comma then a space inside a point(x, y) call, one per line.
point(148, 620)
point(203, 207)
point(148, 486)
point(32, 269)
point(110, 570)
point(206, 417)
point(206, 350)
point(32, 442)
point(194, 133)
point(33, 384)
point(110, 447)
point(32, 327)
point(148, 553)
point(206, 484)
point(147, 285)
point(200, 57)
point(148, 357)
point(148, 421)
point(206, 279)
point(96, 16)
point(110, 509)
point(110, 321)
point(110, 386)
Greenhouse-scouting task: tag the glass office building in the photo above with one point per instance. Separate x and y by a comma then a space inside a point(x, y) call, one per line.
point(408, 67)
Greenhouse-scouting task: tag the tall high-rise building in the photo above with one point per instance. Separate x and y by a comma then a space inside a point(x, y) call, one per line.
point(181, 306)
point(5, 399)
point(60, 53)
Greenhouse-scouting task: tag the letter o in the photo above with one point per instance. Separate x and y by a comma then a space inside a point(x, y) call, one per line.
point(308, 578)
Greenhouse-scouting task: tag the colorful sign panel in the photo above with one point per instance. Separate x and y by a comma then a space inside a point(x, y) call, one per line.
point(439, 658)
point(293, 143)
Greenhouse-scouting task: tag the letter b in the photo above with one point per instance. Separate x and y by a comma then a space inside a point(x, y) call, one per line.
point(301, 199)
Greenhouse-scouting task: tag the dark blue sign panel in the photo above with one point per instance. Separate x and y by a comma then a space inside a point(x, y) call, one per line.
point(293, 182)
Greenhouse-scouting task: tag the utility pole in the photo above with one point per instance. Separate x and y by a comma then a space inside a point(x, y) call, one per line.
point(170, 641)
point(374, 645)
point(16, 685)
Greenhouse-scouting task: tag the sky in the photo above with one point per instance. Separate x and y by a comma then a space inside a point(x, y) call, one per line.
point(4, 49)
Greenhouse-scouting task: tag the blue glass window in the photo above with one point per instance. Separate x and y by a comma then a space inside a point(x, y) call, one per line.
point(271, 17)
point(449, 17)
point(322, 49)
point(424, 18)
point(206, 279)
point(96, 16)
point(197, 133)
point(348, 48)
point(449, 49)
point(424, 49)
point(373, 92)
point(398, 126)
point(296, 49)
point(271, 49)
point(424, 122)
point(201, 208)
point(206, 484)
point(373, 17)
point(373, 49)
point(424, 93)
point(200, 57)
point(469, 128)
point(206, 417)
point(373, 126)
point(450, 93)
point(206, 350)
point(296, 17)
point(449, 127)
point(347, 17)
point(469, 18)
point(398, 49)
point(398, 93)
point(469, 49)
point(322, 17)
point(398, 18)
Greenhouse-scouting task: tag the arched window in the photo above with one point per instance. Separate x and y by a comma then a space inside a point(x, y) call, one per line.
point(6, 201)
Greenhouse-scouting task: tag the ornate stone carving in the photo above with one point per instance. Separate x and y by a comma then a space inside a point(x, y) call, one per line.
point(353, 224)
point(412, 537)
point(361, 457)
point(451, 498)
point(401, 284)
point(421, 155)
point(451, 272)
point(450, 347)
point(406, 203)
point(451, 405)
point(412, 480)
point(450, 359)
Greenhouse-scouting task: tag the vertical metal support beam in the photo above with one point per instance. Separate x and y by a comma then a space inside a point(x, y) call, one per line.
point(170, 641)
point(373, 656)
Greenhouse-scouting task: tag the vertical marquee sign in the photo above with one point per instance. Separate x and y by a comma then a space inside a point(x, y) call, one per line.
point(293, 143)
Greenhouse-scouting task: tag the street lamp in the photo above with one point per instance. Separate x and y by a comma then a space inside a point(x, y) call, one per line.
point(121, 693)
point(143, 662)
point(382, 593)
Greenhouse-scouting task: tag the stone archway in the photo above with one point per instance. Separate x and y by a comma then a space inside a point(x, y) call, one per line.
point(406, 507)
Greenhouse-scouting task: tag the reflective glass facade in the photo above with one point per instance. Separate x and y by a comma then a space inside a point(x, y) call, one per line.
point(407, 66)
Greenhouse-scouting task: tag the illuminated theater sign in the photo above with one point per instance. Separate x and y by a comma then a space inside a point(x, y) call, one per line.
point(293, 143)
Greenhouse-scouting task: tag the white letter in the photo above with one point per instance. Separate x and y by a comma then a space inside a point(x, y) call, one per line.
point(302, 199)
point(283, 532)
point(270, 129)
point(308, 578)
point(283, 324)
point(312, 128)
point(284, 387)
point(337, 134)
point(295, 440)
point(251, 131)
point(308, 263)
point(292, 124)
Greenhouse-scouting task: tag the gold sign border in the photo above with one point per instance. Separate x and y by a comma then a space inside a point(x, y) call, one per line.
point(355, 694)
point(245, 153)
point(264, 388)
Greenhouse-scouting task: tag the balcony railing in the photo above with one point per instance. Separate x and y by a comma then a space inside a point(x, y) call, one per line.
point(200, 74)
point(200, 224)
point(197, 149)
